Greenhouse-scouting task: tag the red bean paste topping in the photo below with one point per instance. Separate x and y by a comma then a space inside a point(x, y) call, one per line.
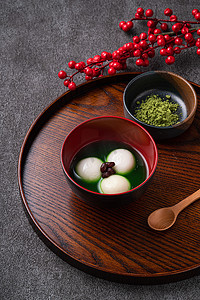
point(107, 169)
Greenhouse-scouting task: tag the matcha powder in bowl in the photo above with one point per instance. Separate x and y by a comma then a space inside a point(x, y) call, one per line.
point(157, 111)
point(162, 102)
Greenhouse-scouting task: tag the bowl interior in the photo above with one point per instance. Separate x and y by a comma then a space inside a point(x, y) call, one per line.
point(160, 83)
point(109, 129)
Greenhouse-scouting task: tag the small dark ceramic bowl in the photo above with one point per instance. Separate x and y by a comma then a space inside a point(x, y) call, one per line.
point(109, 128)
point(161, 83)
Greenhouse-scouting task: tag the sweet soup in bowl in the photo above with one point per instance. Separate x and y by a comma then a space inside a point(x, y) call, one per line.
point(109, 160)
point(108, 167)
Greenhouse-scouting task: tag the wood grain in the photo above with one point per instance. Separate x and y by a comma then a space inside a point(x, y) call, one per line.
point(115, 244)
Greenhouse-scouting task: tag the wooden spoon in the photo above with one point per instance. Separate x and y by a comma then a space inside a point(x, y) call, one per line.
point(164, 218)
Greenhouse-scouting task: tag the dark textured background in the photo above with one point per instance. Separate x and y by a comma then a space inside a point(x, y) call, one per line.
point(37, 39)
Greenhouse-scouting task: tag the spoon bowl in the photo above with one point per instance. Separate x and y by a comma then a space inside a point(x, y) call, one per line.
point(164, 218)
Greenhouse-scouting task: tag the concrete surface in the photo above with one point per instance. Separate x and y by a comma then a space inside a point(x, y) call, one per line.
point(37, 39)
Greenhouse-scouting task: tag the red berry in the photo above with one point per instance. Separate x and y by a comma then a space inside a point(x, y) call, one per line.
point(191, 43)
point(151, 24)
point(143, 44)
point(157, 31)
point(71, 64)
point(188, 25)
point(198, 51)
point(176, 27)
point(145, 56)
point(188, 36)
point(151, 53)
point(62, 74)
point(160, 36)
point(167, 37)
point(140, 11)
point(198, 31)
point(115, 55)
point(184, 30)
point(79, 66)
point(173, 18)
point(83, 64)
point(163, 52)
point(88, 71)
point(129, 46)
point(137, 53)
point(111, 71)
point(198, 44)
point(96, 72)
point(124, 47)
point(139, 62)
point(121, 24)
point(195, 11)
point(125, 27)
point(170, 51)
point(143, 36)
point(89, 60)
point(149, 13)
point(168, 12)
point(177, 50)
point(96, 58)
point(151, 30)
point(197, 16)
point(137, 16)
point(72, 86)
point(117, 65)
point(146, 63)
point(164, 26)
point(180, 25)
point(136, 46)
point(129, 24)
point(88, 77)
point(66, 82)
point(152, 38)
point(161, 42)
point(121, 50)
point(170, 60)
point(136, 39)
point(118, 52)
point(104, 55)
point(178, 41)
point(109, 56)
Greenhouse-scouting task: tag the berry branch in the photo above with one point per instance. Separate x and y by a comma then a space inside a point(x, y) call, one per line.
point(181, 37)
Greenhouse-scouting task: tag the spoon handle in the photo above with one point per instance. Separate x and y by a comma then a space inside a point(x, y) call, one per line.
point(177, 208)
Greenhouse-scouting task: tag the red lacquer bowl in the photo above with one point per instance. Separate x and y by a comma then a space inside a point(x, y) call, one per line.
point(108, 128)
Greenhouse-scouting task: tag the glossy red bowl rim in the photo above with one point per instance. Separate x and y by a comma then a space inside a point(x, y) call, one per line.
point(102, 194)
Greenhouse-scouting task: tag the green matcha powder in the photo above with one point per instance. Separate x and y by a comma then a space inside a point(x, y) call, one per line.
point(157, 111)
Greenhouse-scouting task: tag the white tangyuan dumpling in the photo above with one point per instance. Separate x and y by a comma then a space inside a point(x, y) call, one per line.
point(115, 184)
point(124, 160)
point(89, 169)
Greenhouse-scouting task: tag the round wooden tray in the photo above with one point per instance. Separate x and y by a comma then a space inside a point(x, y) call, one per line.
point(115, 244)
